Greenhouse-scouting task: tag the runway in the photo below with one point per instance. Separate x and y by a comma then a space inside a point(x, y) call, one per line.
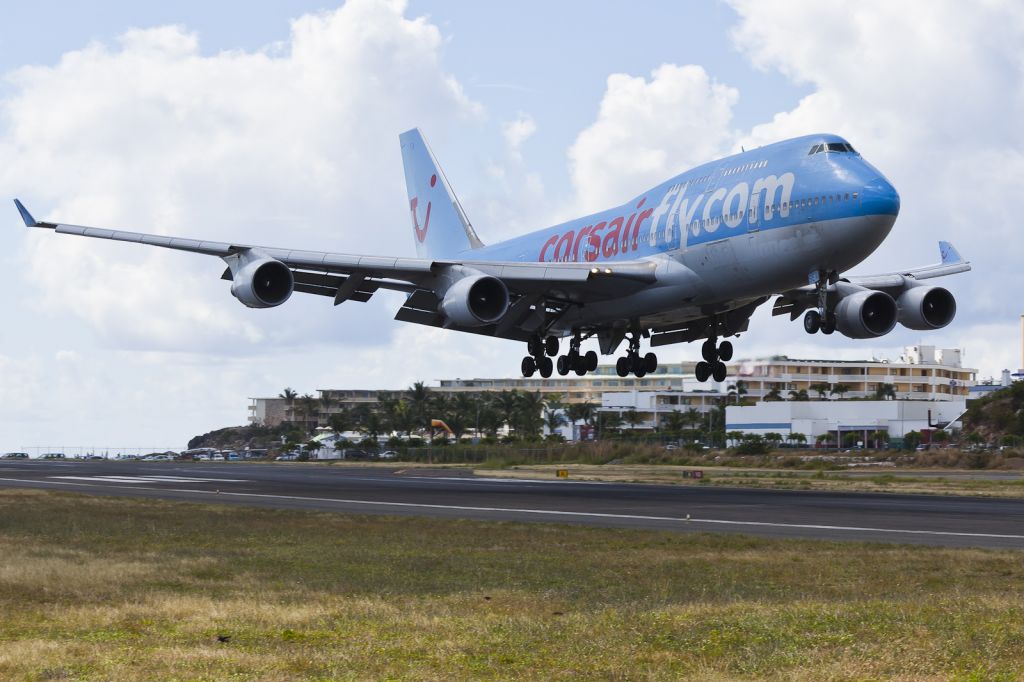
point(455, 493)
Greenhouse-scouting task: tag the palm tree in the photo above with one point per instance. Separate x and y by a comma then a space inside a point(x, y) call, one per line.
point(738, 390)
point(579, 412)
point(773, 395)
point(419, 399)
point(368, 421)
point(821, 388)
point(674, 422)
point(799, 396)
point(507, 403)
point(840, 390)
point(307, 406)
point(528, 412)
point(459, 412)
point(289, 396)
point(885, 392)
point(798, 438)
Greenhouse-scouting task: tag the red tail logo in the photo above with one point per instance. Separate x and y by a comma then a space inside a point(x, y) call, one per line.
point(421, 234)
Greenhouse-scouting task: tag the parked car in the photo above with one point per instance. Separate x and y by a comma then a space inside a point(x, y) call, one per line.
point(287, 457)
point(16, 455)
point(53, 455)
point(388, 454)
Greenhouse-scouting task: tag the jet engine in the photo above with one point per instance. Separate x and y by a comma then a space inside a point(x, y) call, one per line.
point(263, 283)
point(866, 314)
point(475, 300)
point(924, 308)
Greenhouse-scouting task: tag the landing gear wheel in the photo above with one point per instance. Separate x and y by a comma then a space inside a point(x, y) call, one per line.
point(812, 322)
point(725, 351)
point(638, 365)
point(533, 347)
point(545, 366)
point(528, 367)
point(581, 366)
point(719, 372)
point(551, 346)
point(828, 325)
point(702, 371)
point(708, 351)
point(590, 359)
point(650, 363)
point(622, 367)
point(563, 365)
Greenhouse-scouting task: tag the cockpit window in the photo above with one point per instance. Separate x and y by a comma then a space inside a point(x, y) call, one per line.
point(832, 147)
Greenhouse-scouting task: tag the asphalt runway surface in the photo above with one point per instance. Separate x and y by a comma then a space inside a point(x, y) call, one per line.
point(454, 493)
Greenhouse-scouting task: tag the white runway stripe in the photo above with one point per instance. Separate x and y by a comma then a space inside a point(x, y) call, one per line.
point(150, 479)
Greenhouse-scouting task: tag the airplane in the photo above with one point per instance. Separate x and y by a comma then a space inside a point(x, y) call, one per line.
point(689, 259)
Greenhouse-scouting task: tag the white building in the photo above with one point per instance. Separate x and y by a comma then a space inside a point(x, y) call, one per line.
point(817, 417)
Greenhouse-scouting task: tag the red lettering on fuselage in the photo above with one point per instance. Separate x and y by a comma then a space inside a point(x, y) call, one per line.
point(549, 243)
point(619, 239)
point(566, 240)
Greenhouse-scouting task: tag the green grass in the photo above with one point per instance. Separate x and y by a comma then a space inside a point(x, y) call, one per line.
point(120, 589)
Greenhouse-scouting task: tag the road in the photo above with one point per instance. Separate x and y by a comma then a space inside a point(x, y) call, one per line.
point(454, 493)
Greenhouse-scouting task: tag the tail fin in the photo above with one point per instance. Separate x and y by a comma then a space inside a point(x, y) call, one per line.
point(440, 225)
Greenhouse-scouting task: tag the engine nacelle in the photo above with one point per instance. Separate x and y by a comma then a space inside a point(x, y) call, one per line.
point(475, 300)
point(866, 314)
point(263, 283)
point(923, 308)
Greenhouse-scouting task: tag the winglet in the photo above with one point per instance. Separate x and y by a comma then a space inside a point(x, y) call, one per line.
point(25, 215)
point(950, 256)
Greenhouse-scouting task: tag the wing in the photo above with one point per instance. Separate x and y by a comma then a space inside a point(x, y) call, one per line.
point(538, 292)
point(795, 301)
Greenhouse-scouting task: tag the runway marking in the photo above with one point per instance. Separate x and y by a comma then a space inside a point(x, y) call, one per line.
point(555, 512)
point(151, 479)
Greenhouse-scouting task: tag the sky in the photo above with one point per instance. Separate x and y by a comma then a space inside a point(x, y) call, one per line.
point(277, 124)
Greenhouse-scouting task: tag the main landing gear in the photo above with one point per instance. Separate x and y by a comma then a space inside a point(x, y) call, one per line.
point(539, 359)
point(715, 356)
point(634, 362)
point(574, 361)
point(823, 319)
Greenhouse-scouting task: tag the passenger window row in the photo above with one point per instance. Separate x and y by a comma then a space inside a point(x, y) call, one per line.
point(745, 167)
point(785, 205)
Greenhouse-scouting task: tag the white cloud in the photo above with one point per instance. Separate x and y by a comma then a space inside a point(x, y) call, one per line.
point(518, 131)
point(294, 145)
point(649, 130)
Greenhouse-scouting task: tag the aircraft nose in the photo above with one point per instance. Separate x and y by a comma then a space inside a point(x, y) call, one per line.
point(879, 197)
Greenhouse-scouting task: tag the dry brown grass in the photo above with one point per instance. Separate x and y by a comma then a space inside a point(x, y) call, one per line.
point(121, 589)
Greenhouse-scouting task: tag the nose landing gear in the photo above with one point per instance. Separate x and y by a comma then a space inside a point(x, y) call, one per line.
point(822, 319)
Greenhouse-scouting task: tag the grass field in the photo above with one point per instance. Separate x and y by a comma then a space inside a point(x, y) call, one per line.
point(122, 589)
point(891, 480)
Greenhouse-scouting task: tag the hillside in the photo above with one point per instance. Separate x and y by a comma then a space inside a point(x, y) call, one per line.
point(998, 414)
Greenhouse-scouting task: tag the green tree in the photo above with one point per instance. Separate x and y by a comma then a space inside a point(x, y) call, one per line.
point(774, 395)
point(507, 404)
point(632, 417)
point(674, 422)
point(879, 437)
point(734, 436)
point(798, 438)
point(528, 416)
point(554, 413)
point(339, 422)
point(419, 401)
point(885, 392)
point(289, 396)
point(799, 396)
point(308, 406)
point(911, 439)
point(460, 413)
point(840, 390)
point(737, 391)
point(821, 388)
point(773, 439)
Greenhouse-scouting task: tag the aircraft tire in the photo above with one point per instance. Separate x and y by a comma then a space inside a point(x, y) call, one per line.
point(828, 325)
point(719, 372)
point(551, 345)
point(591, 358)
point(563, 365)
point(650, 363)
point(545, 366)
point(812, 322)
point(709, 352)
point(702, 371)
point(622, 367)
point(725, 351)
point(528, 366)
